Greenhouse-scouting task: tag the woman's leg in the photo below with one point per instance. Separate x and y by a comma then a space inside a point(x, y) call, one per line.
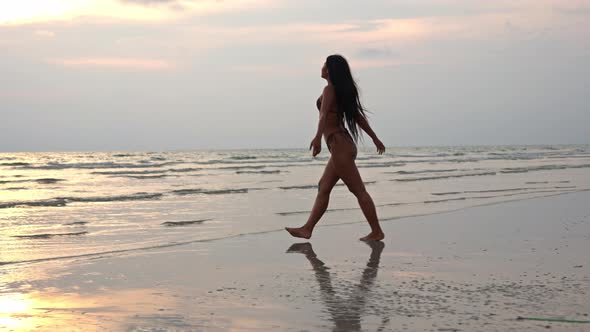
point(327, 182)
point(344, 154)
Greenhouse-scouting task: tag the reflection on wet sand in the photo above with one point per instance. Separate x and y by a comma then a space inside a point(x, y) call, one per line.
point(48, 311)
point(345, 312)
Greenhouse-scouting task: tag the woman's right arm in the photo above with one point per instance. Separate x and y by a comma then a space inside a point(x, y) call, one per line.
point(364, 124)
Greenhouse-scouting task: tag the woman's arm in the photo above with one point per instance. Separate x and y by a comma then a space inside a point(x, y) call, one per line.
point(327, 101)
point(364, 124)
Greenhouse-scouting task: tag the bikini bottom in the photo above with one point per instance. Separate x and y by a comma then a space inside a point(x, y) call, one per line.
point(338, 136)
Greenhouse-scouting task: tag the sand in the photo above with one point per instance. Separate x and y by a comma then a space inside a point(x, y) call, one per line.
point(477, 269)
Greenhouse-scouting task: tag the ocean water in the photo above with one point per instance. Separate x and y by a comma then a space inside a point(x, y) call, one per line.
point(86, 204)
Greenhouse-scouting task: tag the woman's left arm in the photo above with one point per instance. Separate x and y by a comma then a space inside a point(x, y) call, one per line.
point(326, 103)
point(328, 99)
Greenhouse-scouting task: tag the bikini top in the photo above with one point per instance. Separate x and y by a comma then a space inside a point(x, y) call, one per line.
point(335, 120)
point(319, 105)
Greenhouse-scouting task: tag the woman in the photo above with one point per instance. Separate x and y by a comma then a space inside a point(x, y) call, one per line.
point(339, 102)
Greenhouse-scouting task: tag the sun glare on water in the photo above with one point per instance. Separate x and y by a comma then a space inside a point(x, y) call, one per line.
point(11, 307)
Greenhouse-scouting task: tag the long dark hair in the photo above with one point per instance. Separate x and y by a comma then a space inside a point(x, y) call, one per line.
point(347, 96)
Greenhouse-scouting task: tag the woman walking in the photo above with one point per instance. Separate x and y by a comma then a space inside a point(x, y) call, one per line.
point(340, 103)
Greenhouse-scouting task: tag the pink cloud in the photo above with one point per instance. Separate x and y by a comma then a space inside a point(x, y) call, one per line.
point(124, 63)
point(45, 33)
point(268, 69)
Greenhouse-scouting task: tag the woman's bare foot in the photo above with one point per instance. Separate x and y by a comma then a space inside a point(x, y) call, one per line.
point(373, 237)
point(301, 232)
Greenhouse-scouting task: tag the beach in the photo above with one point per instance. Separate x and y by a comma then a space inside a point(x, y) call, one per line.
point(157, 157)
point(482, 268)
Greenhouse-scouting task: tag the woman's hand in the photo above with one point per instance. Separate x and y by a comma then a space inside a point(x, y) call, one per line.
point(316, 145)
point(379, 145)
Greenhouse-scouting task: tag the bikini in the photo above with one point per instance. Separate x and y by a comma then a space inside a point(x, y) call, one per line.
point(341, 129)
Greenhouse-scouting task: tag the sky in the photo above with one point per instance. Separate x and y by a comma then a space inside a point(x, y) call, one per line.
point(114, 75)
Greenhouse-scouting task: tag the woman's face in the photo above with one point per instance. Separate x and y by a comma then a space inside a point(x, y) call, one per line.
point(324, 71)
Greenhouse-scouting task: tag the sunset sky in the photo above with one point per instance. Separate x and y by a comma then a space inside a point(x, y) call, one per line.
point(184, 74)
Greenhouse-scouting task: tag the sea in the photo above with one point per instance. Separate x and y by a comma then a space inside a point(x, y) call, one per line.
point(64, 205)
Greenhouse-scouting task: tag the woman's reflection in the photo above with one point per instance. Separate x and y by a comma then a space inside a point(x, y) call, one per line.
point(345, 312)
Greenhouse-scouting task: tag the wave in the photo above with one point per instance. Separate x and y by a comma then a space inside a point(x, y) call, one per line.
point(48, 235)
point(314, 163)
point(184, 170)
point(384, 164)
point(144, 172)
point(48, 180)
point(242, 157)
point(146, 176)
point(504, 195)
point(436, 161)
point(183, 223)
point(370, 157)
point(313, 186)
point(16, 188)
point(308, 186)
point(48, 202)
point(123, 155)
point(15, 164)
point(427, 171)
point(444, 177)
point(253, 160)
point(75, 223)
point(183, 192)
point(260, 172)
point(442, 154)
point(128, 172)
point(543, 182)
point(490, 156)
point(118, 198)
point(239, 167)
point(446, 200)
point(540, 168)
point(12, 181)
point(63, 201)
point(40, 181)
point(498, 190)
point(99, 165)
point(581, 156)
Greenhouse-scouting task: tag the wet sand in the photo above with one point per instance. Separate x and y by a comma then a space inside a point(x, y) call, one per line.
point(476, 269)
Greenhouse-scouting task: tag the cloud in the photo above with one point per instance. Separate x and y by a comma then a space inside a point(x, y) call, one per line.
point(149, 2)
point(171, 4)
point(36, 11)
point(374, 52)
point(268, 70)
point(357, 63)
point(45, 33)
point(124, 63)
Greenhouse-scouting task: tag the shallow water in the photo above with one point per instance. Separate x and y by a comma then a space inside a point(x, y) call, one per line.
point(55, 205)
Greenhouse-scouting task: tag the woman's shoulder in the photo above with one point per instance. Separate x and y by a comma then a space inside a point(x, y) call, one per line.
point(329, 93)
